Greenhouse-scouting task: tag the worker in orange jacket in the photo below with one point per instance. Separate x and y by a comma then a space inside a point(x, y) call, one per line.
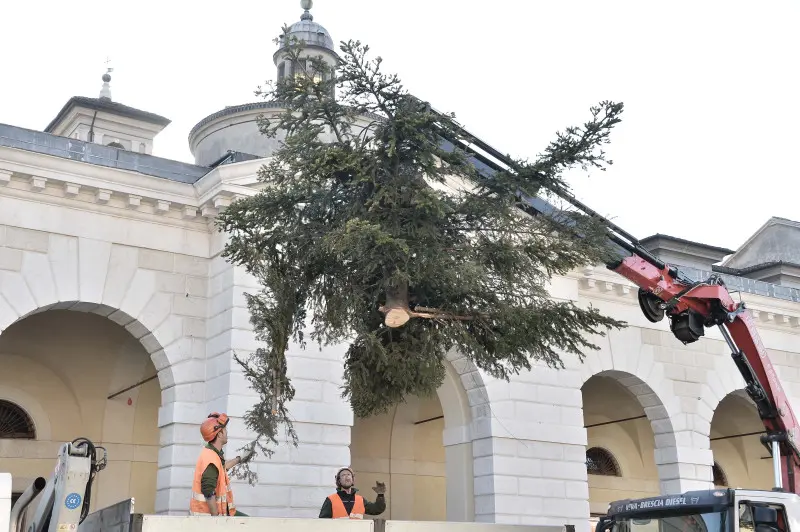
point(347, 504)
point(211, 488)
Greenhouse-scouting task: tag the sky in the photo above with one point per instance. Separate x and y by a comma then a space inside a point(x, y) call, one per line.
point(706, 150)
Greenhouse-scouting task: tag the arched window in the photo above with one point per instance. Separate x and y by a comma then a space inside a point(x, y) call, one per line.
point(15, 423)
point(719, 475)
point(116, 145)
point(601, 462)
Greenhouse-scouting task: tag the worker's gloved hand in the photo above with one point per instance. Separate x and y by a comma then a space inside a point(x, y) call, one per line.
point(248, 455)
point(379, 488)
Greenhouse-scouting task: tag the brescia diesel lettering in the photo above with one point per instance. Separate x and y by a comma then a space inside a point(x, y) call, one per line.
point(689, 500)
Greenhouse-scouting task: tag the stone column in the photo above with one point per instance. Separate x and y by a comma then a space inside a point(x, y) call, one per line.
point(530, 454)
point(684, 469)
point(685, 461)
point(460, 475)
point(181, 406)
point(294, 481)
point(178, 353)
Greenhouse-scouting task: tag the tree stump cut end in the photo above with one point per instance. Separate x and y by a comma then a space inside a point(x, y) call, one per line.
point(396, 317)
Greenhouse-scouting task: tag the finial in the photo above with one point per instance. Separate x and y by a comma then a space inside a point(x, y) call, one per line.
point(105, 92)
point(306, 5)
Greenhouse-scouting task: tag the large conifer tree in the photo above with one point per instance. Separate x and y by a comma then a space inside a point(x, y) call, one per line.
point(372, 232)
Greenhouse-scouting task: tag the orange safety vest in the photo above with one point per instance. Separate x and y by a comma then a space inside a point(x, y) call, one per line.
point(198, 505)
point(340, 512)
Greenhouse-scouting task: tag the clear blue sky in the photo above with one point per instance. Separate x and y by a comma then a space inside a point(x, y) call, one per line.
point(705, 152)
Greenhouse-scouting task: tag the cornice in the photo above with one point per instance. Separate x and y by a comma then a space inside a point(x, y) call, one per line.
point(238, 176)
point(42, 178)
point(63, 169)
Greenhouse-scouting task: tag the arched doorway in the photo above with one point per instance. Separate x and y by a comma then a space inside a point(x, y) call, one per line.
point(422, 451)
point(620, 455)
point(403, 448)
point(64, 370)
point(740, 459)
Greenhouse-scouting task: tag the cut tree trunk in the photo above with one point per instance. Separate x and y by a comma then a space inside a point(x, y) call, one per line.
point(396, 308)
point(397, 311)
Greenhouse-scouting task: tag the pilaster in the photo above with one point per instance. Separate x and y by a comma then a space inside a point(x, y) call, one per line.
point(294, 481)
point(459, 470)
point(529, 451)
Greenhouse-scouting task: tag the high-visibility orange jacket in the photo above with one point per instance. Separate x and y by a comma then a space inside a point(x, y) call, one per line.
point(198, 505)
point(340, 512)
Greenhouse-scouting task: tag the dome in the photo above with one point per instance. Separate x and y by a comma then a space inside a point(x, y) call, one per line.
point(312, 33)
point(307, 30)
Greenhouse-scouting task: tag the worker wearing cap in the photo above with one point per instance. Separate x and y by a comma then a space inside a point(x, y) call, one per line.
point(347, 504)
point(211, 488)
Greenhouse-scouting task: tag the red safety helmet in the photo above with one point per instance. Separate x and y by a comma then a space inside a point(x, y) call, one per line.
point(213, 425)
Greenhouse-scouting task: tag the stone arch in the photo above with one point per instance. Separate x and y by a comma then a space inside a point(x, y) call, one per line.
point(70, 370)
point(735, 442)
point(135, 327)
point(433, 432)
point(473, 385)
point(454, 397)
point(723, 381)
point(624, 356)
point(651, 402)
point(681, 417)
point(457, 441)
point(665, 453)
point(145, 291)
point(465, 403)
point(159, 297)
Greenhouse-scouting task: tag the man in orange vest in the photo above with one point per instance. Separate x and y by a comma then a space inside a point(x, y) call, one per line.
point(347, 504)
point(211, 488)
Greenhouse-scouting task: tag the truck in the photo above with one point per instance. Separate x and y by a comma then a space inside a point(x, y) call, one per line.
point(723, 510)
point(663, 291)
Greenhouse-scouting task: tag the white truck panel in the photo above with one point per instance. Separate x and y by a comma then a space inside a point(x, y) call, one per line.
point(438, 526)
point(156, 523)
point(166, 523)
point(5, 500)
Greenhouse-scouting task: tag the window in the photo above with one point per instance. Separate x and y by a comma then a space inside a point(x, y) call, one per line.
point(762, 517)
point(601, 462)
point(719, 475)
point(116, 145)
point(15, 424)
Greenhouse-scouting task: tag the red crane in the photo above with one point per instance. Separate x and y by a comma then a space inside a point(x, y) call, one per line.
point(690, 306)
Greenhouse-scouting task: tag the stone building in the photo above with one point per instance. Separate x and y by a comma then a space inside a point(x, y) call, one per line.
point(119, 321)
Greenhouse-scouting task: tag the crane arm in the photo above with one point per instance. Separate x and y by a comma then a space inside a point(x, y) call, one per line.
point(690, 306)
point(64, 500)
point(693, 306)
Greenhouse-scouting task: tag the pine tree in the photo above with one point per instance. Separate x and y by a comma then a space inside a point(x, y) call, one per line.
point(380, 237)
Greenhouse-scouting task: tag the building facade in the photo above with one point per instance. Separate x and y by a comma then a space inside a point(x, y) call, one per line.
point(119, 320)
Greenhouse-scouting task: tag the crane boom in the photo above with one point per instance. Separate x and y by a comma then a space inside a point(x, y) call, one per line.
point(690, 305)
